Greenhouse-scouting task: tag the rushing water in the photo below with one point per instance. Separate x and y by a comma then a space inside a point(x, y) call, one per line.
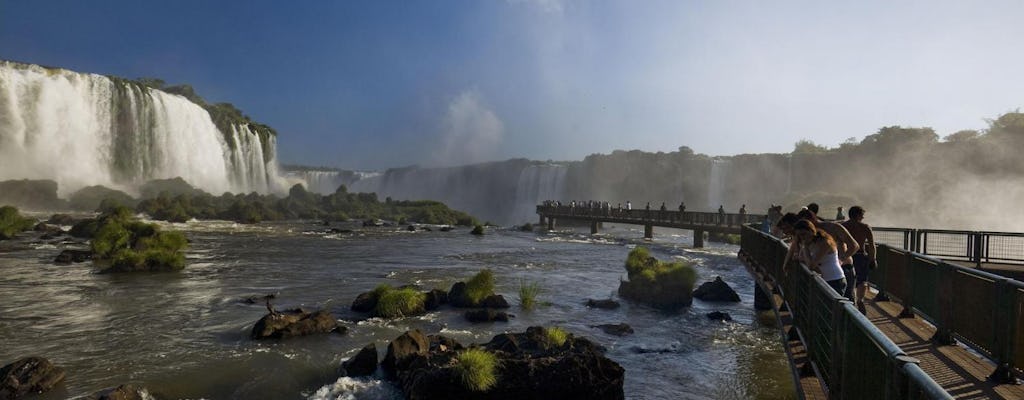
point(186, 334)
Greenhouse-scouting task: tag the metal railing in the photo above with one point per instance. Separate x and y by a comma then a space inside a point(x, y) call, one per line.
point(853, 359)
point(980, 309)
point(972, 246)
point(654, 215)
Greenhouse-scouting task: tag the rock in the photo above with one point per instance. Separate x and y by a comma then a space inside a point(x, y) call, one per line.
point(607, 304)
point(365, 302)
point(435, 298)
point(615, 329)
point(61, 219)
point(447, 228)
point(719, 316)
point(486, 315)
point(458, 297)
point(373, 223)
point(336, 230)
point(531, 368)
point(364, 363)
point(426, 228)
point(69, 256)
point(716, 290)
point(410, 228)
point(28, 375)
point(47, 228)
point(477, 230)
point(123, 392)
point(292, 323)
point(495, 301)
point(403, 349)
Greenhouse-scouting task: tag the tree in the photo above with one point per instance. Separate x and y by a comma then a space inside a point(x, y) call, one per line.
point(961, 136)
point(807, 146)
point(896, 137)
point(1007, 125)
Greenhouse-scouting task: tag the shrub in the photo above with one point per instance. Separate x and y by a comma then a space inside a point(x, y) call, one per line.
point(11, 222)
point(661, 284)
point(528, 294)
point(477, 230)
point(127, 244)
point(477, 369)
point(480, 286)
point(555, 336)
point(527, 227)
point(394, 303)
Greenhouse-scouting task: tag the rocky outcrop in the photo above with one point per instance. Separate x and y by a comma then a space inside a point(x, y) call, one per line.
point(69, 256)
point(495, 301)
point(28, 375)
point(364, 363)
point(365, 302)
point(607, 304)
point(458, 297)
point(61, 219)
point(403, 349)
point(716, 290)
point(616, 329)
point(123, 392)
point(531, 367)
point(293, 323)
point(486, 315)
point(435, 298)
point(719, 316)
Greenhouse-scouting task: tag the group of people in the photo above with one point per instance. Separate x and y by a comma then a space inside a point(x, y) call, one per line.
point(842, 251)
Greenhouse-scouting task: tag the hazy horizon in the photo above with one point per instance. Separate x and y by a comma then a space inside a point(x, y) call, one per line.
point(371, 86)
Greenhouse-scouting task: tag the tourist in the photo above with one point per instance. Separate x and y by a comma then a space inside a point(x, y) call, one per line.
point(864, 260)
point(819, 253)
point(721, 214)
point(682, 209)
point(785, 228)
point(661, 214)
point(743, 214)
point(839, 214)
point(813, 207)
point(845, 243)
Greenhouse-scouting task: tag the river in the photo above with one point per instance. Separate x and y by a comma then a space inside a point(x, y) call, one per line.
point(186, 334)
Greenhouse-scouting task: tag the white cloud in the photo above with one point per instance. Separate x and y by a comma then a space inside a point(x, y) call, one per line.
point(471, 131)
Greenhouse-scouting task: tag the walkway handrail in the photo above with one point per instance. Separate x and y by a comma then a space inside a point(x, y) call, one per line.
point(981, 309)
point(851, 356)
point(974, 246)
point(654, 215)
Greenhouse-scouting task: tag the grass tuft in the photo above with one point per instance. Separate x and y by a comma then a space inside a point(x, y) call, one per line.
point(394, 303)
point(480, 286)
point(477, 369)
point(528, 294)
point(555, 336)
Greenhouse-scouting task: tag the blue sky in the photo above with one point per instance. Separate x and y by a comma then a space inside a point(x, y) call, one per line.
point(366, 85)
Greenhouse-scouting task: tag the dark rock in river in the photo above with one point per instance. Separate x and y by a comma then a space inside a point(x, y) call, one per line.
point(123, 392)
point(607, 304)
point(403, 350)
point(69, 256)
point(495, 301)
point(411, 228)
point(435, 298)
point(716, 290)
point(719, 316)
point(61, 219)
point(292, 323)
point(446, 228)
point(47, 228)
point(486, 315)
point(365, 302)
point(458, 297)
point(532, 367)
point(28, 375)
point(363, 363)
point(616, 329)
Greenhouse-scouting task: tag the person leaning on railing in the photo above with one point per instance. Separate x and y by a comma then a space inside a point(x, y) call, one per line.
point(819, 253)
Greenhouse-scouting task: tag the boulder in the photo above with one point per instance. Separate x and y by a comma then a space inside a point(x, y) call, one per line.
point(531, 368)
point(435, 298)
point(495, 301)
point(28, 375)
point(293, 323)
point(69, 256)
point(607, 304)
point(446, 228)
point(47, 228)
point(61, 219)
point(486, 315)
point(716, 290)
point(719, 316)
point(411, 228)
point(365, 302)
point(458, 297)
point(403, 349)
point(615, 329)
point(123, 392)
point(364, 363)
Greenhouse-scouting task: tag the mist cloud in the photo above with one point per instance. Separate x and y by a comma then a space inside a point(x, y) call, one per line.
point(471, 132)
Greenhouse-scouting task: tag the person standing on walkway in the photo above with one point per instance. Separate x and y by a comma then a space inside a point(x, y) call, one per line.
point(820, 254)
point(721, 214)
point(864, 260)
point(839, 214)
point(845, 243)
point(743, 214)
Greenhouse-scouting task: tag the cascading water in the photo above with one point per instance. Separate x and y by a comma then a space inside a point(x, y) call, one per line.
point(85, 129)
point(538, 183)
point(716, 183)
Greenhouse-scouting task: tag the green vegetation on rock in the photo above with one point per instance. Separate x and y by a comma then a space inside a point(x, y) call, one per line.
point(660, 284)
point(528, 293)
point(555, 336)
point(11, 222)
point(395, 303)
point(122, 243)
point(480, 286)
point(477, 230)
point(477, 369)
point(730, 238)
point(91, 198)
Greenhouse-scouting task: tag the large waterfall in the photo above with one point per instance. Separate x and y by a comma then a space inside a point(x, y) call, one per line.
point(85, 129)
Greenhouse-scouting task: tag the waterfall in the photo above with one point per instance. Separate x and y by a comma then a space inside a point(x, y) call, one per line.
point(537, 183)
point(85, 129)
point(716, 183)
point(325, 181)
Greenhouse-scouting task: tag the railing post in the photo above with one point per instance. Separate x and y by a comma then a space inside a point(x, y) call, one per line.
point(1004, 322)
point(908, 300)
point(978, 246)
point(944, 321)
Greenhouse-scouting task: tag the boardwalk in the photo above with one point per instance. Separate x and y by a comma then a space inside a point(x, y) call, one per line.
point(698, 222)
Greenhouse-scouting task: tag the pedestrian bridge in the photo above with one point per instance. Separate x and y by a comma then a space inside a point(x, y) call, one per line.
point(698, 222)
point(934, 329)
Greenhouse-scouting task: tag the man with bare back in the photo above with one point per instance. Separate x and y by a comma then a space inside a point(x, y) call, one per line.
point(863, 260)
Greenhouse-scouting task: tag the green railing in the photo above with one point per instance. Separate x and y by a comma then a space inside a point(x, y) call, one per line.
point(853, 359)
point(980, 309)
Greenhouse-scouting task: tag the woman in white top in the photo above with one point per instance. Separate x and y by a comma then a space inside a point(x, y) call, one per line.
point(818, 252)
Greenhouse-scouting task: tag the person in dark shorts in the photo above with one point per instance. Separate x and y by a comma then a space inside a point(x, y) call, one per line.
point(864, 260)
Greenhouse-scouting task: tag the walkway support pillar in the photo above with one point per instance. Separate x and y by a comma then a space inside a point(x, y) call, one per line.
point(762, 301)
point(551, 223)
point(593, 227)
point(648, 232)
point(542, 222)
point(698, 238)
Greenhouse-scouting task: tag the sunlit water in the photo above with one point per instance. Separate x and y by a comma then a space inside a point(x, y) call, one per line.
point(186, 334)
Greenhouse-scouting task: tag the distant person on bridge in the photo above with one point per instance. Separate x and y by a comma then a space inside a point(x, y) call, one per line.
point(743, 214)
point(820, 254)
point(864, 260)
point(845, 243)
point(839, 214)
point(813, 207)
point(682, 209)
point(647, 210)
point(663, 209)
point(721, 214)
